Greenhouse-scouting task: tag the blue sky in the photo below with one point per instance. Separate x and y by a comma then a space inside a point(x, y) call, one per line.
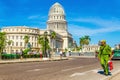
point(100, 19)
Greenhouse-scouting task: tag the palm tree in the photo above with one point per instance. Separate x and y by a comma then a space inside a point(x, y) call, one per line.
point(87, 40)
point(26, 38)
point(82, 41)
point(53, 37)
point(9, 43)
point(44, 44)
point(40, 41)
point(2, 42)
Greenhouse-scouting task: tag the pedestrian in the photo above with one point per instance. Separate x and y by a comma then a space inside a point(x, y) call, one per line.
point(41, 54)
point(96, 53)
point(61, 54)
point(21, 54)
point(67, 54)
point(104, 56)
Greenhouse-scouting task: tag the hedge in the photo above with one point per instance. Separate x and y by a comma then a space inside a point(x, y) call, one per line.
point(18, 56)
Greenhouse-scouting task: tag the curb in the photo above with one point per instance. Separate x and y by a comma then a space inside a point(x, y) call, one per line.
point(82, 56)
point(26, 61)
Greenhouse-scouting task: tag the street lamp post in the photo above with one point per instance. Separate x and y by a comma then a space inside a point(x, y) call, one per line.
point(45, 36)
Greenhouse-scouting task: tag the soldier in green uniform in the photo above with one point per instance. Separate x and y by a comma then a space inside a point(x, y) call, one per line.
point(104, 56)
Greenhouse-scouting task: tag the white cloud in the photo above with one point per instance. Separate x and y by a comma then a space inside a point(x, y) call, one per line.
point(37, 20)
point(100, 22)
point(34, 17)
point(106, 26)
point(39, 17)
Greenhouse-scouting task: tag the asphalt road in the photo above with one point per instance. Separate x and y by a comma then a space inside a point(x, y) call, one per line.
point(49, 70)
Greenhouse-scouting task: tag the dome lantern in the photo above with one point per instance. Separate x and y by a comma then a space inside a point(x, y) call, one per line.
point(56, 9)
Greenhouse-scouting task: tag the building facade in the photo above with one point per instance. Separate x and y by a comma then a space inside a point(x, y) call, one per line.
point(56, 22)
point(90, 48)
point(16, 34)
point(117, 46)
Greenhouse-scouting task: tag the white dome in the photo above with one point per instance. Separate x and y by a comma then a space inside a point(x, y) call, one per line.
point(56, 9)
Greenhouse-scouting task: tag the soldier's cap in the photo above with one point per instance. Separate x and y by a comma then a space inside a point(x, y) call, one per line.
point(103, 41)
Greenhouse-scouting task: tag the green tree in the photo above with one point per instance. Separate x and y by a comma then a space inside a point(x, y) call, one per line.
point(53, 37)
point(9, 43)
point(26, 39)
point(27, 44)
point(85, 40)
point(2, 42)
point(44, 43)
point(82, 41)
point(40, 41)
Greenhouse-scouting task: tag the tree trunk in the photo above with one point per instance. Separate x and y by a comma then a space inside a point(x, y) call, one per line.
point(52, 47)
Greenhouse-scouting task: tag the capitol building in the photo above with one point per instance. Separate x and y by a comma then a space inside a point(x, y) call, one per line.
point(56, 22)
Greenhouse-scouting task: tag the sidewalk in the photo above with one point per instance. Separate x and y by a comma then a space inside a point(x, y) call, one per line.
point(97, 74)
point(31, 60)
point(115, 73)
point(116, 77)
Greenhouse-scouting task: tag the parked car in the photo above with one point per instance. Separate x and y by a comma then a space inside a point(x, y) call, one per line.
point(116, 54)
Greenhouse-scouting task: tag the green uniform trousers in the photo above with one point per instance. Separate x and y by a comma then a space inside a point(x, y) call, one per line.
point(104, 63)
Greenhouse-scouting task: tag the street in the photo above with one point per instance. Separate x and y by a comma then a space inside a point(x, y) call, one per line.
point(72, 69)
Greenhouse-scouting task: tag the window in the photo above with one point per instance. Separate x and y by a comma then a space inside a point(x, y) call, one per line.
point(32, 43)
point(35, 38)
point(16, 37)
point(16, 43)
point(54, 9)
point(32, 37)
point(9, 37)
point(12, 51)
point(12, 43)
point(35, 44)
point(20, 37)
point(20, 43)
point(12, 37)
